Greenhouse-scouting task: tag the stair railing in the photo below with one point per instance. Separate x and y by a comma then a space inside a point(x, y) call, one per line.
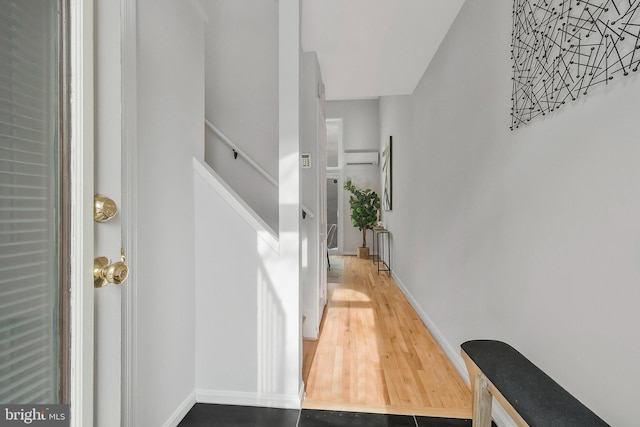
point(238, 152)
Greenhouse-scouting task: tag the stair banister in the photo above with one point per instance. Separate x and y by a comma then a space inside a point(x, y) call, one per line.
point(306, 211)
point(235, 148)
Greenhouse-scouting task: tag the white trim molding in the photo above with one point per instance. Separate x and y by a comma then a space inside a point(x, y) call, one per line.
point(129, 212)
point(301, 394)
point(181, 411)
point(267, 400)
point(81, 171)
point(448, 349)
point(500, 416)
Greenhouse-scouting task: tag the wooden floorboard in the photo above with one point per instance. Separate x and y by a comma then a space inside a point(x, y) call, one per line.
point(374, 354)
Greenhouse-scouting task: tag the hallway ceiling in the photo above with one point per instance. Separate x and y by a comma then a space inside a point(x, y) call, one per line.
point(371, 48)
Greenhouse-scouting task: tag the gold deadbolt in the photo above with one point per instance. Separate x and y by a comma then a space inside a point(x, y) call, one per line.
point(106, 272)
point(103, 208)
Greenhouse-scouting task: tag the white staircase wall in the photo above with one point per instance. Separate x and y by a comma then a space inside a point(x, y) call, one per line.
point(246, 181)
point(242, 97)
point(241, 312)
point(240, 318)
point(248, 319)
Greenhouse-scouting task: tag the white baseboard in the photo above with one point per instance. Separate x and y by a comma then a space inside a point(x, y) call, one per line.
point(181, 411)
point(500, 416)
point(309, 326)
point(454, 356)
point(301, 393)
point(267, 400)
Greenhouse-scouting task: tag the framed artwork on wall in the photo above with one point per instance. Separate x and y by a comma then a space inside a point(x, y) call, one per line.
point(387, 170)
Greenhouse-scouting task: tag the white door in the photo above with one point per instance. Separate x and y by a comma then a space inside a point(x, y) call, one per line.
point(108, 235)
point(79, 48)
point(115, 40)
point(95, 128)
point(96, 134)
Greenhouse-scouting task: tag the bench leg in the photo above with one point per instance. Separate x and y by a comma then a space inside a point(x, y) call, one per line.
point(481, 402)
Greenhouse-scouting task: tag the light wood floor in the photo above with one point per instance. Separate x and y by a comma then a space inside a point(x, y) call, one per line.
point(374, 353)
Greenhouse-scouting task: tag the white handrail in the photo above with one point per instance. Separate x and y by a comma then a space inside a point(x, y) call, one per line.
point(249, 160)
point(308, 211)
point(235, 148)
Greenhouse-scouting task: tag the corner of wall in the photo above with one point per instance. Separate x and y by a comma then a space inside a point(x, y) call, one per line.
point(181, 411)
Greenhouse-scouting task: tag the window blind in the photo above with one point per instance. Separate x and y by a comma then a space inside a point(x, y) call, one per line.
point(28, 201)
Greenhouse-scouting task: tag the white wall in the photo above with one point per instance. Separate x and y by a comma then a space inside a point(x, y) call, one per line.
point(288, 277)
point(240, 311)
point(361, 131)
point(530, 236)
point(311, 229)
point(242, 97)
point(248, 319)
point(170, 118)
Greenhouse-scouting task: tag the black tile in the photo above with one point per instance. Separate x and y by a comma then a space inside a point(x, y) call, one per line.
point(315, 418)
point(444, 422)
point(206, 415)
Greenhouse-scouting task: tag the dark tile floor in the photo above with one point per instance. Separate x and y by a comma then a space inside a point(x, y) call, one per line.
point(205, 415)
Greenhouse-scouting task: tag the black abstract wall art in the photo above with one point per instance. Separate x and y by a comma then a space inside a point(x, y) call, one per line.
point(561, 49)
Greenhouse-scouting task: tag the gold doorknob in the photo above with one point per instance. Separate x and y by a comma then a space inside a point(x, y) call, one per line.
point(106, 272)
point(103, 208)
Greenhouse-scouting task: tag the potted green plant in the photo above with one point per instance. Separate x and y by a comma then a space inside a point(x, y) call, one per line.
point(365, 204)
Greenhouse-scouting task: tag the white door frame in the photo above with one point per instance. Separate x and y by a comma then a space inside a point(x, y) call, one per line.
point(81, 111)
point(81, 170)
point(129, 99)
point(321, 203)
point(108, 237)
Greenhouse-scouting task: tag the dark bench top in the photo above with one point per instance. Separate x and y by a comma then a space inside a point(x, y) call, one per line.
point(538, 399)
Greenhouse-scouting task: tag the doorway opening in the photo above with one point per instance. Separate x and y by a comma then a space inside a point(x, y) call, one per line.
point(333, 213)
point(334, 193)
